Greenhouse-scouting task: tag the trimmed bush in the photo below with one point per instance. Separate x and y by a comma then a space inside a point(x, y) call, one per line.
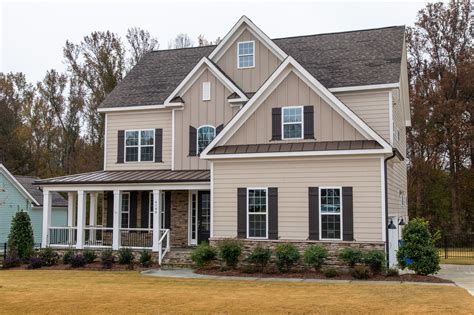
point(351, 256)
point(203, 254)
point(12, 259)
point(314, 256)
point(230, 251)
point(89, 256)
point(67, 257)
point(375, 260)
point(145, 259)
point(287, 255)
point(35, 262)
point(78, 261)
point(391, 272)
point(49, 256)
point(330, 273)
point(360, 272)
point(21, 236)
point(107, 259)
point(125, 256)
point(260, 257)
point(418, 252)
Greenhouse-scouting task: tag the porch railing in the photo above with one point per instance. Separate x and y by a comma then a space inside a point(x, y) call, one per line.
point(163, 244)
point(136, 237)
point(98, 236)
point(62, 236)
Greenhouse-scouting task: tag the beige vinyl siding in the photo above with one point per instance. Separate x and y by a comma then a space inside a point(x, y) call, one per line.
point(293, 177)
point(396, 182)
point(371, 107)
point(404, 94)
point(292, 91)
point(137, 120)
point(399, 122)
point(196, 113)
point(249, 79)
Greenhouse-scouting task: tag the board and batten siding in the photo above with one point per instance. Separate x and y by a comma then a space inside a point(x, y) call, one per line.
point(196, 113)
point(137, 120)
point(292, 177)
point(292, 91)
point(249, 79)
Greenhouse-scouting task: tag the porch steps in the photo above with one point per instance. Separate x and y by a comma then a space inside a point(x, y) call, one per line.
point(178, 257)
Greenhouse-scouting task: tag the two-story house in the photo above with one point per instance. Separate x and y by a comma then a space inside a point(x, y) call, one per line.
point(298, 139)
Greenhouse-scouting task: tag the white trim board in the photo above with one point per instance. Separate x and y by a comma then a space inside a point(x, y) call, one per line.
point(299, 153)
point(365, 87)
point(9, 176)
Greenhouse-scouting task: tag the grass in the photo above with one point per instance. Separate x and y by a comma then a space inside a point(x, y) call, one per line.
point(86, 292)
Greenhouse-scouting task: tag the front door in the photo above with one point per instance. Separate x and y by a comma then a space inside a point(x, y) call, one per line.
point(204, 216)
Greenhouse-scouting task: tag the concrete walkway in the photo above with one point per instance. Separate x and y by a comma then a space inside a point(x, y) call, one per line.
point(189, 274)
point(462, 275)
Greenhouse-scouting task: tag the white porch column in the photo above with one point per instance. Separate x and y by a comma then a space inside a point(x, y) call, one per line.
point(71, 203)
point(156, 220)
point(81, 218)
point(46, 217)
point(116, 224)
point(92, 215)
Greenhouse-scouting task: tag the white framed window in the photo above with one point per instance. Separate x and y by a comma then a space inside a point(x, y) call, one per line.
point(292, 122)
point(125, 211)
point(257, 213)
point(162, 210)
point(402, 197)
point(140, 145)
point(330, 212)
point(206, 91)
point(205, 135)
point(246, 54)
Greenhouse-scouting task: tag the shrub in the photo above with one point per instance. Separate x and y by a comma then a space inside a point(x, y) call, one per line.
point(125, 256)
point(89, 256)
point(49, 256)
point(78, 261)
point(351, 256)
point(361, 272)
point(21, 235)
point(391, 272)
point(331, 273)
point(314, 256)
point(67, 257)
point(107, 258)
point(203, 254)
point(287, 255)
point(35, 262)
point(418, 252)
point(145, 259)
point(12, 259)
point(375, 260)
point(260, 257)
point(230, 251)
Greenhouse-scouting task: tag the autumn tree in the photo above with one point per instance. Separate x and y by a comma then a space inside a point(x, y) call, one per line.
point(182, 40)
point(140, 42)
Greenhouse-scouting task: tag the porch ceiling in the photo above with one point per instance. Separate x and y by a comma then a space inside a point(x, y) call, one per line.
point(130, 177)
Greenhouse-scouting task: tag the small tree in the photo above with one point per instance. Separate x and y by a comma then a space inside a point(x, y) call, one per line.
point(21, 235)
point(418, 251)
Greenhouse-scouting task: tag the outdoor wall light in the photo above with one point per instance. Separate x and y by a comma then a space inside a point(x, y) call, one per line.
point(402, 222)
point(391, 226)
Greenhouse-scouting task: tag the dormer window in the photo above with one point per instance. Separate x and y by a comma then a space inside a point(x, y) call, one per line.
point(246, 55)
point(292, 122)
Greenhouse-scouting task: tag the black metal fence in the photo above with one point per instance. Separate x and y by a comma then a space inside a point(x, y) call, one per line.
point(456, 246)
point(4, 249)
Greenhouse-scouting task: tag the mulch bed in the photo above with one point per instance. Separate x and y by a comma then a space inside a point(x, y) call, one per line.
point(317, 275)
point(95, 266)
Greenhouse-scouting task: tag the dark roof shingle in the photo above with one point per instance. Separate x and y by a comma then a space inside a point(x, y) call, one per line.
point(37, 193)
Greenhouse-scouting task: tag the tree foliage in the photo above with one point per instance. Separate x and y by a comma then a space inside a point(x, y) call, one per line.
point(21, 235)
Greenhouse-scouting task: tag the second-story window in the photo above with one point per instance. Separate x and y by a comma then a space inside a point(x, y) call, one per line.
point(292, 122)
point(246, 54)
point(139, 145)
point(205, 135)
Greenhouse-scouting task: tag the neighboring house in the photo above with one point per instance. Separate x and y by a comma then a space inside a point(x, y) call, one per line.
point(17, 193)
point(284, 140)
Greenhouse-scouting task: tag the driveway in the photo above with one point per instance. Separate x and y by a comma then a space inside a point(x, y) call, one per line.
point(462, 275)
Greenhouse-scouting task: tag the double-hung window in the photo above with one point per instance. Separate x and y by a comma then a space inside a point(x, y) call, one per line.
point(257, 212)
point(205, 135)
point(139, 145)
point(330, 212)
point(125, 211)
point(246, 54)
point(292, 122)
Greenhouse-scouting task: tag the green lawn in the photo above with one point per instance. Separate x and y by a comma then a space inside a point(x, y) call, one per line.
point(88, 292)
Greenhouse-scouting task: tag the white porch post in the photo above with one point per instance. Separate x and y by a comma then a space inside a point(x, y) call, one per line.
point(70, 215)
point(92, 215)
point(156, 221)
point(116, 224)
point(81, 218)
point(46, 217)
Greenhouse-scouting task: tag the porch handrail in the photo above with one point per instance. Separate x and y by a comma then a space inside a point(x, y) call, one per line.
point(137, 229)
point(163, 250)
point(101, 228)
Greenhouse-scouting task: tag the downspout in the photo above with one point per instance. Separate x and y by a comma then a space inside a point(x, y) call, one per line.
point(394, 154)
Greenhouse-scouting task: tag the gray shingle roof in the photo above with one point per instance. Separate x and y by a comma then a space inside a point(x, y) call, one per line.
point(37, 193)
point(336, 60)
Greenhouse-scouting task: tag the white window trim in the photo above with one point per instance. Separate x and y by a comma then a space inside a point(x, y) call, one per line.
point(266, 213)
point(128, 210)
point(238, 55)
point(139, 146)
point(197, 137)
point(291, 123)
point(320, 214)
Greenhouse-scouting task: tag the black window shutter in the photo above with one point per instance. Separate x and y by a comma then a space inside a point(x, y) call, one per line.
point(313, 206)
point(347, 214)
point(276, 123)
point(308, 122)
point(120, 145)
point(158, 145)
point(273, 213)
point(145, 209)
point(133, 209)
point(219, 129)
point(168, 210)
point(241, 212)
point(110, 209)
point(192, 141)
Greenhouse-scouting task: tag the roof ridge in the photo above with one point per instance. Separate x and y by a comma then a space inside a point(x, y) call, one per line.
point(182, 48)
